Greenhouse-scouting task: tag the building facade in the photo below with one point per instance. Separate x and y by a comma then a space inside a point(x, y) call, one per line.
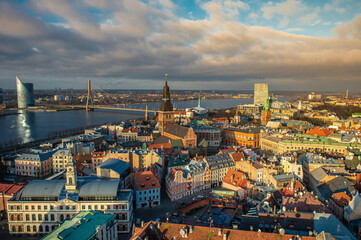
point(219, 165)
point(34, 164)
point(60, 159)
point(147, 189)
point(260, 91)
point(212, 135)
point(44, 204)
point(242, 137)
point(192, 178)
point(25, 94)
point(166, 113)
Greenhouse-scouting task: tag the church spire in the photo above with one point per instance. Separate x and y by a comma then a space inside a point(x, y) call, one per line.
point(166, 105)
point(199, 101)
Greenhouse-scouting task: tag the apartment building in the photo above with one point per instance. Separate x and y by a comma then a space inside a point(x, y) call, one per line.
point(34, 164)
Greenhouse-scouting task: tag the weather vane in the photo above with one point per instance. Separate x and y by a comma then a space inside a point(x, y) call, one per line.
point(166, 76)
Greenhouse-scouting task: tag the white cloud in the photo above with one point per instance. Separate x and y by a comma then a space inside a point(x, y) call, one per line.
point(286, 9)
point(334, 6)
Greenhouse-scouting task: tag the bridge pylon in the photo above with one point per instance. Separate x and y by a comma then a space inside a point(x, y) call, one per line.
point(89, 99)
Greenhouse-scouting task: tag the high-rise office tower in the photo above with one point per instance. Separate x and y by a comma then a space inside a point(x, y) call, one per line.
point(266, 113)
point(260, 91)
point(1, 96)
point(25, 92)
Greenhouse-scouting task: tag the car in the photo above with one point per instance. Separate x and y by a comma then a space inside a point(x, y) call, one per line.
point(138, 221)
point(194, 199)
point(200, 196)
point(175, 214)
point(157, 220)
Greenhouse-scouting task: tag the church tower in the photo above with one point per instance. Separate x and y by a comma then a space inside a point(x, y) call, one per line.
point(166, 113)
point(71, 178)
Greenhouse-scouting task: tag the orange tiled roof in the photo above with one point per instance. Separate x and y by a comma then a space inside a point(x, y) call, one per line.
point(172, 231)
point(235, 178)
point(319, 132)
point(239, 156)
point(146, 180)
point(159, 146)
point(10, 189)
point(341, 198)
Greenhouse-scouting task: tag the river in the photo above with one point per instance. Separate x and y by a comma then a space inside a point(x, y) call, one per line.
point(35, 125)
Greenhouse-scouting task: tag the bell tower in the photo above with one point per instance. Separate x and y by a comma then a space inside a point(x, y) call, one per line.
point(166, 113)
point(71, 178)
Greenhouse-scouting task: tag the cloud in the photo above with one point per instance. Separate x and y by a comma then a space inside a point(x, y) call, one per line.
point(285, 9)
point(138, 41)
point(334, 6)
point(350, 30)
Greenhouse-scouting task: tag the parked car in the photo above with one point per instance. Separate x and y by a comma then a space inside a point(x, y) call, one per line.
point(175, 214)
point(200, 196)
point(194, 199)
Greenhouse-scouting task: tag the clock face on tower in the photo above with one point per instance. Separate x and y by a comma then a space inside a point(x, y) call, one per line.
point(70, 169)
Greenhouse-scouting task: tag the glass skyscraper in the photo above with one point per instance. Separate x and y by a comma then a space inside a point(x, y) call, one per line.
point(25, 94)
point(1, 96)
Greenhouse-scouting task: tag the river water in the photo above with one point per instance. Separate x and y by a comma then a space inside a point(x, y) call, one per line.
point(31, 126)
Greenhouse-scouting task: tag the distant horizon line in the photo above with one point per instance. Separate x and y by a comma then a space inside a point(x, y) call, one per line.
point(194, 90)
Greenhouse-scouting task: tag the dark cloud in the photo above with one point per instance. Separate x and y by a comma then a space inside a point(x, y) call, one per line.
point(124, 43)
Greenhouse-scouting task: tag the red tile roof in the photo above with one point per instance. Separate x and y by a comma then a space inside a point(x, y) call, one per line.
point(341, 198)
point(319, 132)
point(239, 156)
point(146, 180)
point(173, 231)
point(235, 178)
point(306, 203)
point(9, 188)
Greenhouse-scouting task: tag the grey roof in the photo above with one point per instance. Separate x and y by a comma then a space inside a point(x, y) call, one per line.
point(283, 177)
point(318, 174)
point(338, 184)
point(114, 164)
point(329, 223)
point(99, 188)
point(43, 188)
point(219, 161)
point(36, 156)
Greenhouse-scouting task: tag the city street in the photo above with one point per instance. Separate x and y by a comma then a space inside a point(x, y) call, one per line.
point(166, 205)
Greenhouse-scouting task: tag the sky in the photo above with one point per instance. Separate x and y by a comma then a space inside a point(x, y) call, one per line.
point(214, 45)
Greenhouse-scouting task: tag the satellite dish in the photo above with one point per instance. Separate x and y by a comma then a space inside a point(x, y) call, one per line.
point(281, 231)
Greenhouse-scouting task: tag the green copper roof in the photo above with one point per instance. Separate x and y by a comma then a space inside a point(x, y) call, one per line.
point(82, 226)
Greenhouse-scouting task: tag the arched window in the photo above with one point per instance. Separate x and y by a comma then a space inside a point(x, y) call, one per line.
point(52, 228)
point(27, 217)
point(20, 229)
point(18, 217)
point(40, 218)
point(28, 228)
point(46, 218)
point(123, 227)
point(34, 228)
point(33, 217)
point(12, 218)
point(70, 181)
point(46, 228)
point(67, 216)
point(40, 228)
point(52, 217)
point(13, 229)
point(61, 217)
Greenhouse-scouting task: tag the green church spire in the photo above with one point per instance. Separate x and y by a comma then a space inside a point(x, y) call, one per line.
point(199, 101)
point(266, 101)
